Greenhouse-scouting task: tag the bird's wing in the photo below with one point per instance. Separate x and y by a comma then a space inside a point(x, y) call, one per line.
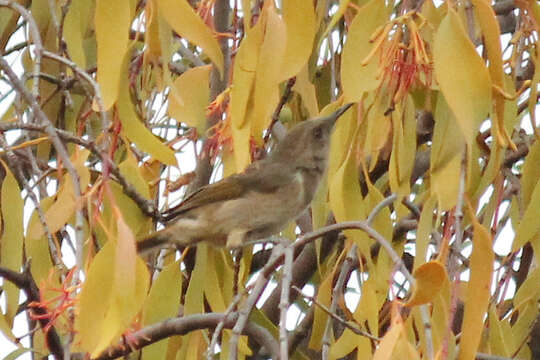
point(262, 177)
point(228, 188)
point(266, 176)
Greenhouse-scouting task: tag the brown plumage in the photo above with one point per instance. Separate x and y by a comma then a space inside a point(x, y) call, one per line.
point(257, 203)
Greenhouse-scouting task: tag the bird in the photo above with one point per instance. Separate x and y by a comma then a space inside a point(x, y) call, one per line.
point(251, 206)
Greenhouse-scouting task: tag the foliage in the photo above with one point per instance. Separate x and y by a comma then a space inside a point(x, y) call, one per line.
point(422, 242)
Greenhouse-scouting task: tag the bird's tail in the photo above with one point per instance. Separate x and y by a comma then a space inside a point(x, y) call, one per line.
point(154, 241)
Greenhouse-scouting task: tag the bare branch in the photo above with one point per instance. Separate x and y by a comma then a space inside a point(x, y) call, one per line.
point(51, 131)
point(25, 282)
point(187, 324)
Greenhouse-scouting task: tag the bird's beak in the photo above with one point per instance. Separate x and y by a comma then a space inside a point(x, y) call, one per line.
point(331, 119)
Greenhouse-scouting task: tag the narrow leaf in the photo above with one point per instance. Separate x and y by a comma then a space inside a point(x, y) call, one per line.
point(299, 18)
point(183, 19)
point(162, 303)
point(194, 89)
point(478, 292)
point(112, 22)
point(467, 88)
point(135, 130)
point(11, 242)
point(357, 78)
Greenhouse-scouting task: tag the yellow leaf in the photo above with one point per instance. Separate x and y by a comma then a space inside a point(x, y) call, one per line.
point(269, 65)
point(439, 317)
point(299, 18)
point(478, 291)
point(113, 293)
point(405, 350)
point(193, 88)
point(429, 278)
point(521, 329)
point(245, 66)
point(151, 35)
point(388, 342)
point(246, 9)
point(212, 288)
point(344, 345)
point(166, 45)
point(529, 289)
point(133, 215)
point(135, 130)
point(242, 153)
point(75, 26)
point(342, 137)
point(403, 147)
point(535, 11)
point(129, 168)
point(95, 298)
point(511, 118)
point(356, 78)
point(368, 307)
point(529, 225)
point(112, 22)
point(445, 162)
point(11, 241)
point(183, 19)
point(65, 205)
point(194, 303)
point(531, 173)
point(162, 303)
point(462, 76)
point(38, 248)
point(192, 346)
point(306, 90)
point(5, 329)
point(425, 225)
point(346, 199)
point(320, 317)
point(343, 5)
point(382, 223)
point(491, 33)
point(378, 131)
point(499, 339)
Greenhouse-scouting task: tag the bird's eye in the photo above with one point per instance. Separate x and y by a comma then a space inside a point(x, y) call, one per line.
point(318, 133)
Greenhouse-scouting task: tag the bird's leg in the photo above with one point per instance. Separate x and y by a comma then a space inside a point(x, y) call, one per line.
point(236, 238)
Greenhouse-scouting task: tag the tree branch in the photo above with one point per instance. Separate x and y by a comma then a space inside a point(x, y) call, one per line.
point(187, 324)
point(25, 282)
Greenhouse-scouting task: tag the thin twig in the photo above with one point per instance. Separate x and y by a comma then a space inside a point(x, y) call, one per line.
point(260, 284)
point(336, 317)
point(346, 268)
point(221, 324)
point(284, 98)
point(344, 274)
point(15, 165)
point(453, 267)
point(34, 32)
point(61, 151)
point(97, 92)
point(284, 301)
point(146, 206)
point(377, 209)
